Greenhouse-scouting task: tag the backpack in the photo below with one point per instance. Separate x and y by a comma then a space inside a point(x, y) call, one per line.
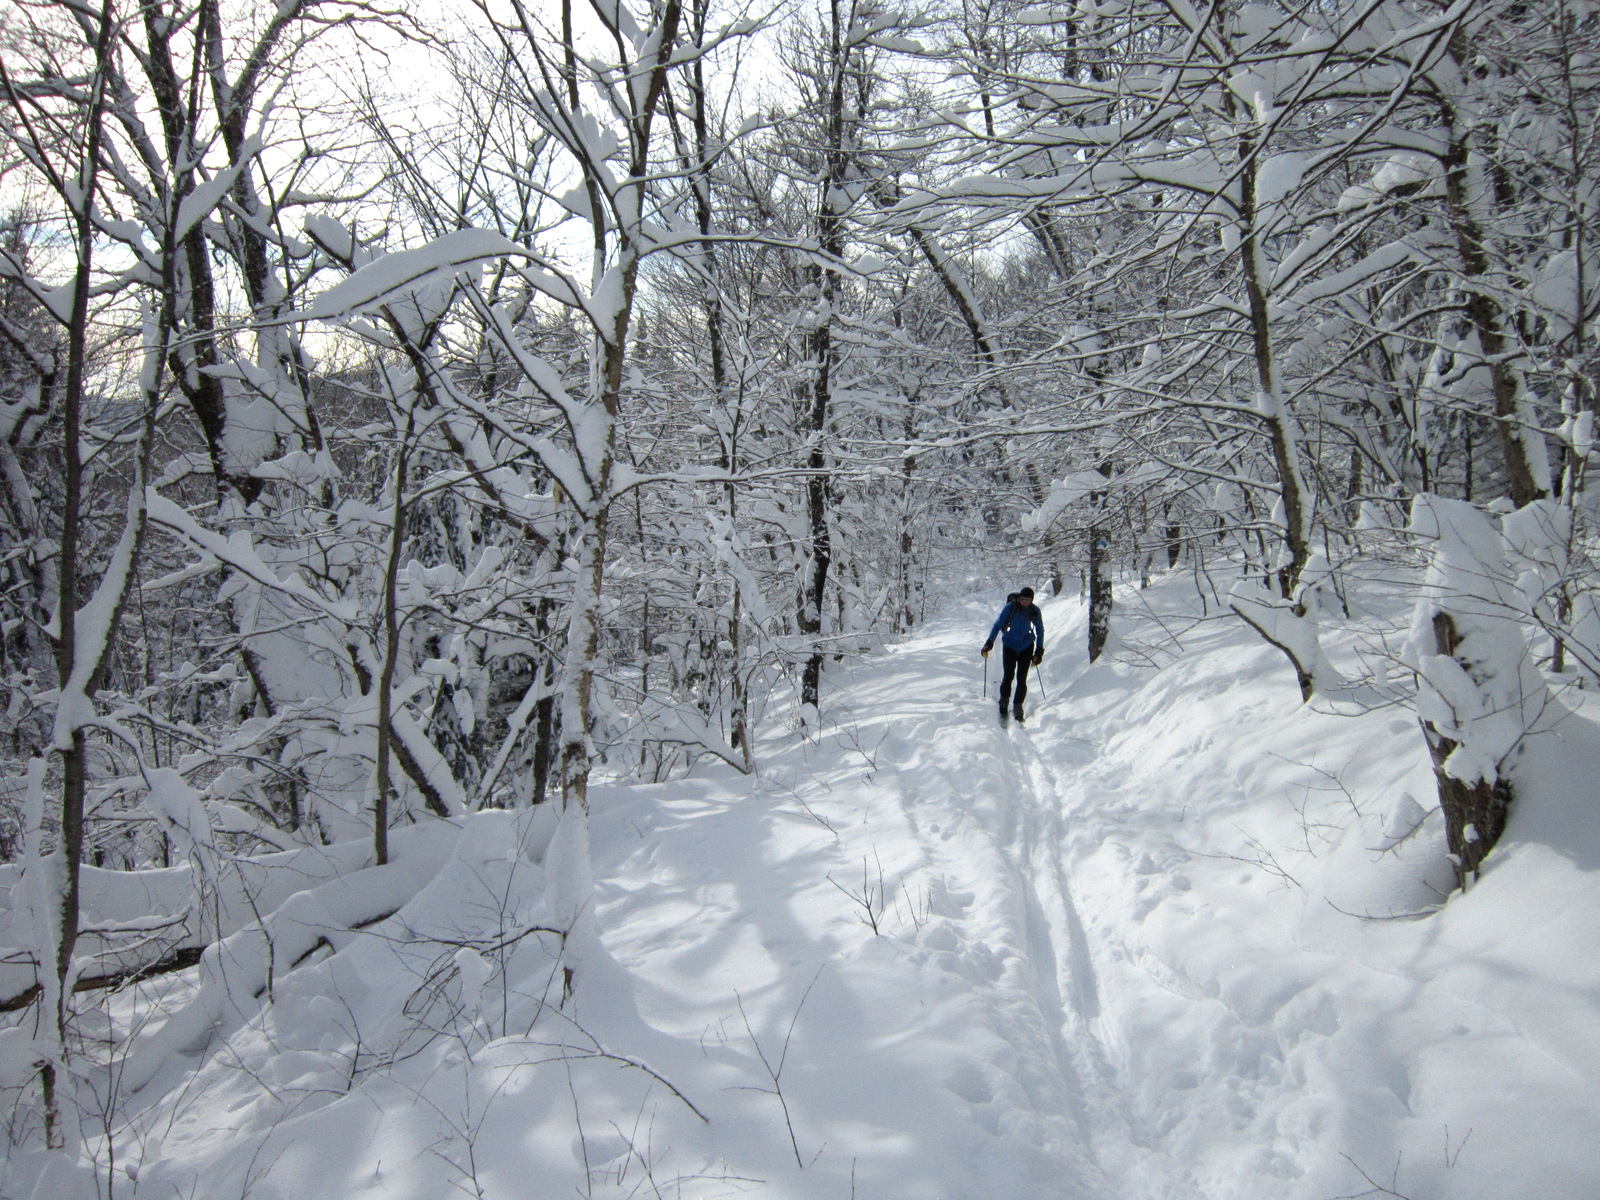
point(1011, 611)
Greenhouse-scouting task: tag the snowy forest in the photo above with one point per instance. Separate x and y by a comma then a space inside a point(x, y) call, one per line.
point(501, 502)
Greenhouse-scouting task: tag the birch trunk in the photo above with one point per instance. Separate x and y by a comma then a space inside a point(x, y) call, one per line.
point(1281, 426)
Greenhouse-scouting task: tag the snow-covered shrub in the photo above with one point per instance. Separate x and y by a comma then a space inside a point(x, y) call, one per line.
point(1480, 692)
point(1546, 540)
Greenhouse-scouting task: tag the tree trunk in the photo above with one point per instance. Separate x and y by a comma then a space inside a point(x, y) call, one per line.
point(81, 652)
point(1099, 594)
point(824, 357)
point(1474, 813)
point(1099, 579)
point(583, 647)
point(1269, 398)
point(906, 615)
point(1526, 481)
point(596, 449)
point(583, 626)
point(391, 647)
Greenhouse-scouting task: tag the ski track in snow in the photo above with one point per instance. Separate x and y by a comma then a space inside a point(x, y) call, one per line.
point(982, 826)
point(1004, 838)
point(1001, 929)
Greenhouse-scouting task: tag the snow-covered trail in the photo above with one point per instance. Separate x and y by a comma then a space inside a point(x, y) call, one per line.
point(987, 804)
point(1106, 956)
point(980, 987)
point(1111, 960)
point(983, 805)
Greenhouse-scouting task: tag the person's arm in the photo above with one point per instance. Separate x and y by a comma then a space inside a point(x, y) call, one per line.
point(995, 632)
point(1038, 641)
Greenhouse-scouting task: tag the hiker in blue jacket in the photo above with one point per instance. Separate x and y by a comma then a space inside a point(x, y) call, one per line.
point(1021, 632)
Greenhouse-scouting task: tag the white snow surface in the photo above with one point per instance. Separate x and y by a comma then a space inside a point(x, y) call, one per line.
point(1111, 961)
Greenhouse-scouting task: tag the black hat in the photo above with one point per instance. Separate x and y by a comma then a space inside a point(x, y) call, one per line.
point(1028, 592)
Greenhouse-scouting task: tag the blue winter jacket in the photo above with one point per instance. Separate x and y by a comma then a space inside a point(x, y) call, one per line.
point(1020, 633)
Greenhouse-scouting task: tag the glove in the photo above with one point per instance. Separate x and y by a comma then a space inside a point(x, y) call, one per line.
point(987, 646)
point(1038, 658)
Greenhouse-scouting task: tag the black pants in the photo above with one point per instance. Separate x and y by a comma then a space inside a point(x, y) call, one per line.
point(1013, 660)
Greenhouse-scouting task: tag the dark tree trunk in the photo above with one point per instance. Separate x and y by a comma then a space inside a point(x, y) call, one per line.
point(1483, 310)
point(907, 615)
point(1099, 577)
point(69, 669)
point(545, 713)
point(391, 649)
point(1099, 593)
point(1474, 813)
point(698, 167)
point(824, 353)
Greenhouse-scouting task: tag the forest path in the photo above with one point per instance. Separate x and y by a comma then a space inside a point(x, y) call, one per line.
point(956, 1050)
point(1105, 956)
point(1167, 857)
point(1112, 953)
point(987, 806)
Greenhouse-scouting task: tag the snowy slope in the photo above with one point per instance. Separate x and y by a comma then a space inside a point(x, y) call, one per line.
point(1108, 963)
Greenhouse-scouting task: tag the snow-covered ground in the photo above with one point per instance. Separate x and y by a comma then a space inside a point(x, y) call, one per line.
point(1140, 948)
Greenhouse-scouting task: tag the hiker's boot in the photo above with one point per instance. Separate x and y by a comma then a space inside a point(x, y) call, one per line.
point(1017, 713)
point(1004, 716)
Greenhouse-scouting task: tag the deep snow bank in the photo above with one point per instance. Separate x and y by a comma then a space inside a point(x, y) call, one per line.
point(1269, 1041)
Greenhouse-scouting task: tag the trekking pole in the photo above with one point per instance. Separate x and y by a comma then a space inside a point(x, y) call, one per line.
point(985, 676)
point(1038, 679)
